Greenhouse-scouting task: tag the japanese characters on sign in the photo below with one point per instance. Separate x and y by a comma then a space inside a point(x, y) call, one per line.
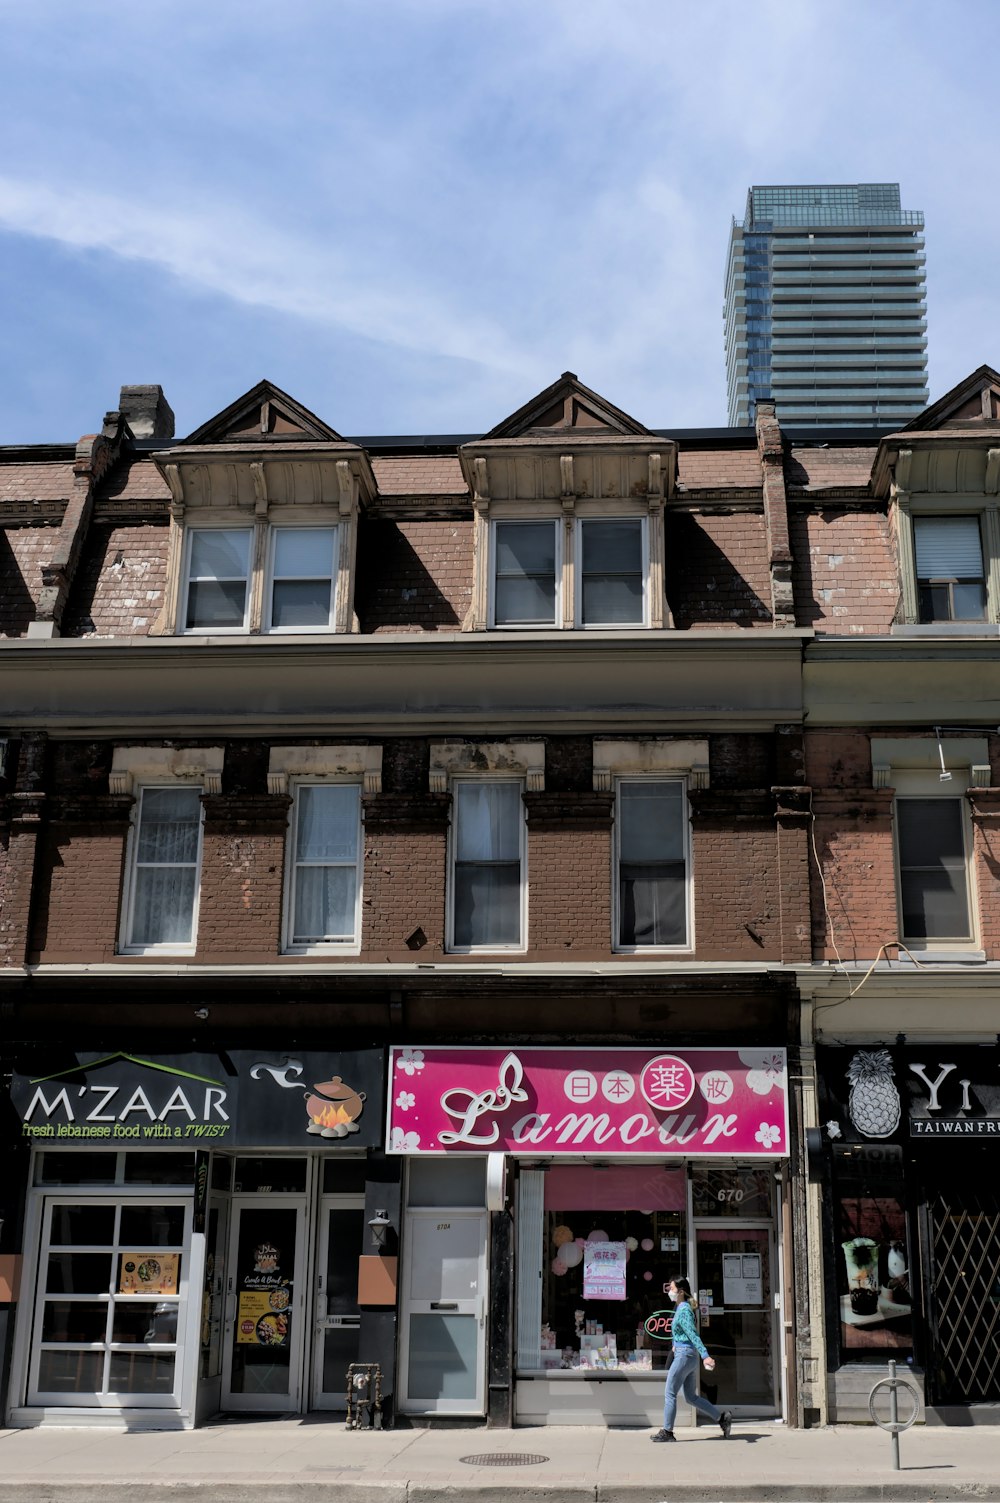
point(604, 1270)
point(555, 1101)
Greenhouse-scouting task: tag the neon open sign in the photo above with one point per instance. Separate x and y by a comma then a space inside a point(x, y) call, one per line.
point(658, 1325)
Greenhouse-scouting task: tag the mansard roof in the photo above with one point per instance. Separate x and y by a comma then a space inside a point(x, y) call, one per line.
point(966, 419)
point(263, 414)
point(567, 406)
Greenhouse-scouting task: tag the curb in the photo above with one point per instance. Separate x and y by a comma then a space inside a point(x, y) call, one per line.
point(356, 1490)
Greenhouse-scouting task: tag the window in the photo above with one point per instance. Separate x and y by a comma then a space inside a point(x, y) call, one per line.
point(951, 583)
point(299, 592)
point(325, 879)
point(933, 869)
point(165, 859)
point(652, 886)
point(609, 561)
point(218, 577)
point(525, 585)
point(303, 576)
point(611, 570)
point(487, 865)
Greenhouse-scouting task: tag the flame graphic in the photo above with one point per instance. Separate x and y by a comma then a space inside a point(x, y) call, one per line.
point(332, 1116)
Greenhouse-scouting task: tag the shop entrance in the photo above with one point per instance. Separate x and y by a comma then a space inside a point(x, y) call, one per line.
point(734, 1272)
point(338, 1321)
point(964, 1305)
point(267, 1304)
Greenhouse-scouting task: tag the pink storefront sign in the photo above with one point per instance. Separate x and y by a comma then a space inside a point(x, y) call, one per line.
point(548, 1102)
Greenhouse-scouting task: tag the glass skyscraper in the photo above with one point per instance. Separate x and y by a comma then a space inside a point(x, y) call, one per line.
point(826, 307)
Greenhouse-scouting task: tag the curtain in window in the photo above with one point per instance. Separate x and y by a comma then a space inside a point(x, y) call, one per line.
point(651, 865)
point(326, 863)
point(487, 876)
point(166, 866)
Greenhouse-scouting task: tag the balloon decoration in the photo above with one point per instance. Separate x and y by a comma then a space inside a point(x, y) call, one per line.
point(631, 1243)
point(558, 1267)
point(647, 1244)
point(562, 1235)
point(647, 1276)
point(571, 1255)
point(599, 1236)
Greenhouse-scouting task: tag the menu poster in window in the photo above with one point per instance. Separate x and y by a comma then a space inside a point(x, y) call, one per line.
point(148, 1273)
point(604, 1270)
point(741, 1279)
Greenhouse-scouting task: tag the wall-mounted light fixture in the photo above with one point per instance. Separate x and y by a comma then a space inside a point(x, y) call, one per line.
point(380, 1226)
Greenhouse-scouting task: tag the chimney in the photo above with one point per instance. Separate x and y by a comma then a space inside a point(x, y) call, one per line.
point(147, 411)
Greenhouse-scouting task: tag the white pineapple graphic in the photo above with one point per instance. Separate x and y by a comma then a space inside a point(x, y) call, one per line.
point(874, 1101)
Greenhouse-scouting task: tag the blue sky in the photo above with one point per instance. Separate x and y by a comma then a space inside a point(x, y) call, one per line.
point(413, 214)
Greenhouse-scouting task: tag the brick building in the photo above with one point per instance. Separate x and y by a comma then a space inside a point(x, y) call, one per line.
point(422, 864)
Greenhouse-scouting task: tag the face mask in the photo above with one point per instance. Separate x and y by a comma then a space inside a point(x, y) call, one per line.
point(674, 1295)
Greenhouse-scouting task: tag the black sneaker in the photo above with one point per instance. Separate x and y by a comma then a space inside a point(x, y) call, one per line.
point(725, 1423)
point(662, 1435)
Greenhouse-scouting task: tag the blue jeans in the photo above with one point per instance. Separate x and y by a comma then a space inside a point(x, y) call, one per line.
point(681, 1375)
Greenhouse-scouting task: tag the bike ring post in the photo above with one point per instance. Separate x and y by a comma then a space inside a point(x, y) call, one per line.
point(894, 1424)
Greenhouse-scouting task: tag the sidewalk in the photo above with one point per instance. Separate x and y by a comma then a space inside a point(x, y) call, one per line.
point(295, 1459)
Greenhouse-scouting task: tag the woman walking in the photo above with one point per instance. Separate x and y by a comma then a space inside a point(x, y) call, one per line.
point(688, 1347)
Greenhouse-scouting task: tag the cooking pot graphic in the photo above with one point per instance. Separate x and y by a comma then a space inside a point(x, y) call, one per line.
point(333, 1108)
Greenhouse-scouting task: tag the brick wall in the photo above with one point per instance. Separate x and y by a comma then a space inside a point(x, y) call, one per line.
point(23, 550)
point(844, 574)
point(413, 576)
point(239, 910)
point(79, 895)
point(118, 589)
point(716, 569)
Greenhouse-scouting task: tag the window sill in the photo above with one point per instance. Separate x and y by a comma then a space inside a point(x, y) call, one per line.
point(154, 952)
point(948, 628)
point(942, 956)
point(347, 947)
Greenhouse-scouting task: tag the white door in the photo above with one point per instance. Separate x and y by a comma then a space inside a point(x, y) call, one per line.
point(112, 1295)
point(338, 1320)
point(266, 1304)
point(443, 1349)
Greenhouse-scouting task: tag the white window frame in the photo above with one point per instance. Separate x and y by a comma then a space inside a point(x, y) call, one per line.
point(126, 947)
point(926, 785)
point(495, 949)
point(578, 525)
point(688, 945)
point(269, 577)
point(971, 515)
point(215, 631)
point(557, 609)
point(348, 946)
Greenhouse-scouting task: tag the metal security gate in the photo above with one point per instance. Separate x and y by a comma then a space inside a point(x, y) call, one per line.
point(965, 1293)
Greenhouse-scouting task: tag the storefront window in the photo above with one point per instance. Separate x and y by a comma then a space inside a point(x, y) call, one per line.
point(740, 1192)
point(111, 1297)
point(612, 1239)
point(873, 1258)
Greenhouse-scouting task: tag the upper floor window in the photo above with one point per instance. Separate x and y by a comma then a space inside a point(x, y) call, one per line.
point(487, 866)
point(934, 875)
point(218, 576)
point(324, 888)
point(525, 590)
point(652, 887)
point(299, 587)
point(951, 581)
point(612, 572)
point(161, 891)
point(605, 572)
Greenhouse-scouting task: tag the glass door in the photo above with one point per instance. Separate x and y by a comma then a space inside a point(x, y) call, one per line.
point(112, 1289)
point(443, 1356)
point(266, 1304)
point(338, 1320)
point(737, 1318)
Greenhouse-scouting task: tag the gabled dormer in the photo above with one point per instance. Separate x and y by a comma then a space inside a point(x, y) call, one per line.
point(264, 506)
point(941, 477)
point(568, 493)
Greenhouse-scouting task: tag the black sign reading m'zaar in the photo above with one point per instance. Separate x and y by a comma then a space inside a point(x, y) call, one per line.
point(240, 1098)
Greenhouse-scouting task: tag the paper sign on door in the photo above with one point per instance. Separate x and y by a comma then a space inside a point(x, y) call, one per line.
point(741, 1279)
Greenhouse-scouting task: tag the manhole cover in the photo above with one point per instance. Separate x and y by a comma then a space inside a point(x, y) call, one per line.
point(504, 1458)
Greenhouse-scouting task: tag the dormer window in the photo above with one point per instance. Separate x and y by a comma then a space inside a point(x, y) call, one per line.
point(951, 582)
point(264, 509)
point(568, 496)
point(218, 577)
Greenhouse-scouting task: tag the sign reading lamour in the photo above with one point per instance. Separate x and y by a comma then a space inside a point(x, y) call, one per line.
point(570, 1101)
point(234, 1098)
